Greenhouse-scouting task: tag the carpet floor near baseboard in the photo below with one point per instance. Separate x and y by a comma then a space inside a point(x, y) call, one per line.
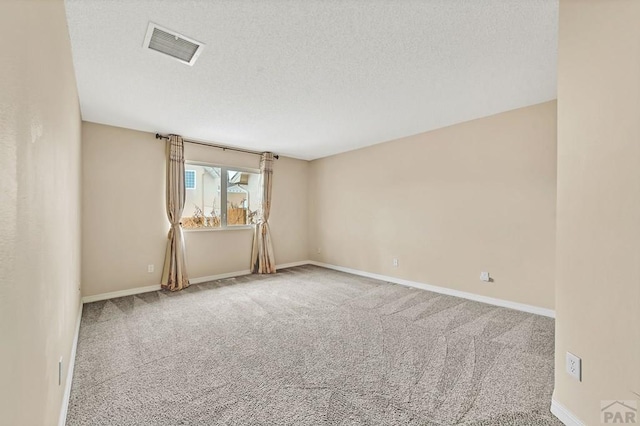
point(310, 346)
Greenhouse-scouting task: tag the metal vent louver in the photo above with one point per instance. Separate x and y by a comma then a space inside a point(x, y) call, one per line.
point(171, 43)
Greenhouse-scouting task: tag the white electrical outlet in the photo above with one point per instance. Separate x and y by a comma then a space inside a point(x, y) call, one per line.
point(484, 276)
point(318, 250)
point(395, 262)
point(574, 366)
point(151, 268)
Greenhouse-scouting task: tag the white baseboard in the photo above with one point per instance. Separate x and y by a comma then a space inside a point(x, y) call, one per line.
point(120, 293)
point(292, 264)
point(436, 289)
point(241, 273)
point(564, 415)
point(444, 290)
point(218, 277)
point(62, 420)
point(138, 290)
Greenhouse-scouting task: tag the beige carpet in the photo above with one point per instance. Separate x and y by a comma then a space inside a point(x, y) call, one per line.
point(310, 346)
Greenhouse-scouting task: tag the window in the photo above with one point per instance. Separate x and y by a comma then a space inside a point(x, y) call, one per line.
point(236, 189)
point(190, 179)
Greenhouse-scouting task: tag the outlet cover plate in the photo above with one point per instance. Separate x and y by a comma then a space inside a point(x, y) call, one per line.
point(574, 366)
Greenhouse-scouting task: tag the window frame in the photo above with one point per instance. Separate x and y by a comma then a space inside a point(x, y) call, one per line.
point(223, 194)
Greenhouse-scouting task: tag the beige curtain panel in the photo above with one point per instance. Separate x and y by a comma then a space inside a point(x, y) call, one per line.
point(174, 272)
point(262, 258)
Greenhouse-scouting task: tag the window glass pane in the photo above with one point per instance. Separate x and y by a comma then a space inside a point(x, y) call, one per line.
point(202, 203)
point(190, 179)
point(242, 197)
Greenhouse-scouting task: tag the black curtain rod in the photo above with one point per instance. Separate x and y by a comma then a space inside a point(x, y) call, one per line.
point(222, 147)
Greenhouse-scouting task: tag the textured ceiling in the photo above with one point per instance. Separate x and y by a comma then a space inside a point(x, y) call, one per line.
point(312, 78)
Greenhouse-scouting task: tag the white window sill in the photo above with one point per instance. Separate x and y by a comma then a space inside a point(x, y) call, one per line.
point(228, 228)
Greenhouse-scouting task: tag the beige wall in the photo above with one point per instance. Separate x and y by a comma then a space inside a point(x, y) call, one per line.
point(477, 196)
point(598, 226)
point(124, 220)
point(124, 224)
point(39, 210)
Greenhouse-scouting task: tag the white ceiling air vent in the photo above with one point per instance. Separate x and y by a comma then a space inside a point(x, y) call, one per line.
point(171, 43)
